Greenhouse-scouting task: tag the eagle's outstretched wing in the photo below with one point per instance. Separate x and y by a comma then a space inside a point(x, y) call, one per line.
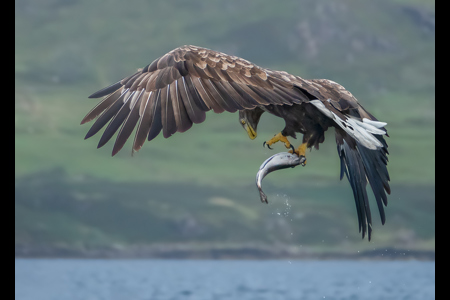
point(175, 90)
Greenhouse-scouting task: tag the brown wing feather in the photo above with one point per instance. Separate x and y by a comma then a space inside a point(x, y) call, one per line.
point(176, 89)
point(168, 119)
point(182, 119)
point(195, 113)
point(129, 124)
point(101, 106)
point(194, 94)
point(116, 121)
point(145, 120)
point(107, 115)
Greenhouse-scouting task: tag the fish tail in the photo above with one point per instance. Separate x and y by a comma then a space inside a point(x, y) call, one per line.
point(263, 196)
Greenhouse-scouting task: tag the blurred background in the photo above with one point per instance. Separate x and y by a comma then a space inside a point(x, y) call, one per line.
point(194, 195)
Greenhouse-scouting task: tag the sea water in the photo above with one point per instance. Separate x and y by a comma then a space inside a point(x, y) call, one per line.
point(91, 279)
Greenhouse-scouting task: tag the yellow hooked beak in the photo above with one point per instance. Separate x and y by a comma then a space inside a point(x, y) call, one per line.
point(251, 132)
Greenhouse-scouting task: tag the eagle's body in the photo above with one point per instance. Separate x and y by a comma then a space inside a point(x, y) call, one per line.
point(304, 119)
point(176, 90)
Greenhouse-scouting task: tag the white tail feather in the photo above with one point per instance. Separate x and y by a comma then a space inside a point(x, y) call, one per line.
point(360, 131)
point(376, 124)
point(370, 128)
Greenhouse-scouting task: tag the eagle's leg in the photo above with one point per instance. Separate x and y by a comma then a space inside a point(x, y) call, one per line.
point(279, 137)
point(301, 151)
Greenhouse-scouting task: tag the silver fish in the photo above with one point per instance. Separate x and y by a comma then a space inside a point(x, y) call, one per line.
point(278, 161)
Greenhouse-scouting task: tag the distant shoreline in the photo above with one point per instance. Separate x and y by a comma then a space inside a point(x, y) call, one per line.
point(234, 253)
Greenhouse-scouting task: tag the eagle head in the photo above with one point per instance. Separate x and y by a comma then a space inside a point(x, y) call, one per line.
point(249, 119)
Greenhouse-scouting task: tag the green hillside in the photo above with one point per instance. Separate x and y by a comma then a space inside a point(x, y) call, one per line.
point(198, 187)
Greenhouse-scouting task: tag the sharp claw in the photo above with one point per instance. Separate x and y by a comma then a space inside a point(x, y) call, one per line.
point(293, 149)
point(267, 146)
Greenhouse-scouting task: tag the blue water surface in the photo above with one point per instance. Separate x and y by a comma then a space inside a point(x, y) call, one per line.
point(82, 279)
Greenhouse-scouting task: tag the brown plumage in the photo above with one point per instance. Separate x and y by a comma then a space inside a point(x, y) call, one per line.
point(176, 90)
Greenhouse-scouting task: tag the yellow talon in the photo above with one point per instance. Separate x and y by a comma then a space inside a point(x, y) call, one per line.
point(279, 138)
point(301, 151)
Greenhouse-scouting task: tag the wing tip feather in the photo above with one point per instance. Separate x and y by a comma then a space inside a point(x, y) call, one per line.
point(107, 90)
